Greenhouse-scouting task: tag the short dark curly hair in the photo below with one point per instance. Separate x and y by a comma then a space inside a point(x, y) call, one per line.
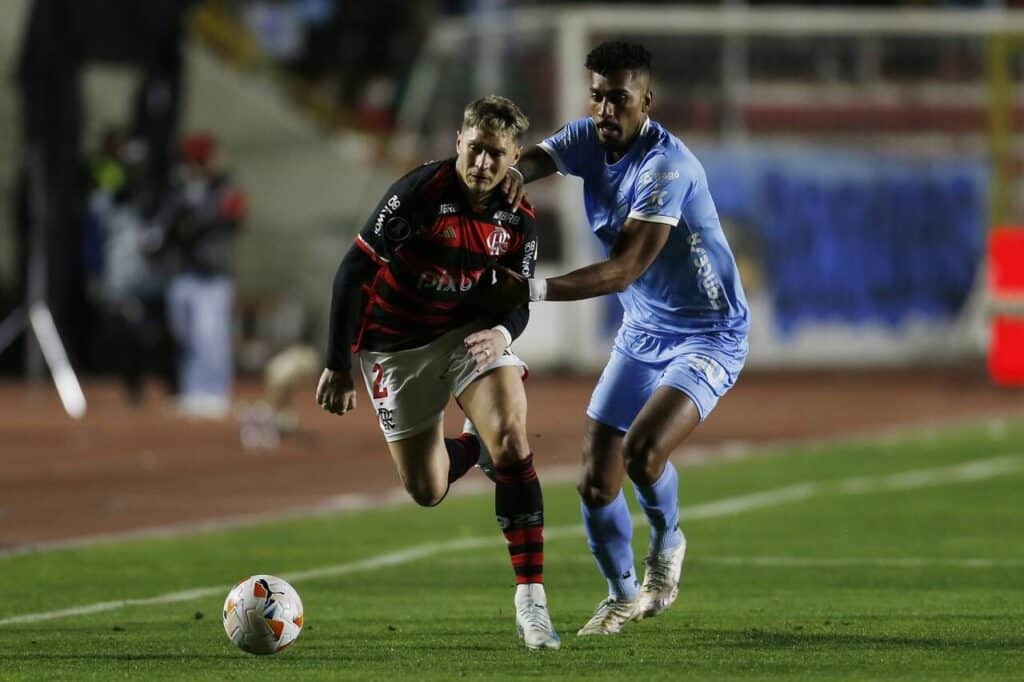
point(617, 55)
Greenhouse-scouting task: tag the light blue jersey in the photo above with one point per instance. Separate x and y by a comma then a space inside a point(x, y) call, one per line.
point(693, 285)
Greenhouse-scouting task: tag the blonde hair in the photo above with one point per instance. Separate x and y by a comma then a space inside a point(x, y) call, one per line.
point(495, 114)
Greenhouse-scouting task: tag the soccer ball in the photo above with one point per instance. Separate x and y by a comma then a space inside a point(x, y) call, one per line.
point(262, 614)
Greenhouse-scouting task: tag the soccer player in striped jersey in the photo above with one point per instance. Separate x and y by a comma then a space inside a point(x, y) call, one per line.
point(401, 301)
point(683, 338)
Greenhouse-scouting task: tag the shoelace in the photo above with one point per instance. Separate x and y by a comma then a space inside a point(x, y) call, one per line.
point(536, 616)
point(657, 574)
point(609, 608)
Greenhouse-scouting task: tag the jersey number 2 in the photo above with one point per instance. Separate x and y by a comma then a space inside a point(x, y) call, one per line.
point(378, 377)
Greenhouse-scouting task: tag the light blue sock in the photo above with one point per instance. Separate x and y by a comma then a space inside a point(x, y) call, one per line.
point(610, 536)
point(660, 502)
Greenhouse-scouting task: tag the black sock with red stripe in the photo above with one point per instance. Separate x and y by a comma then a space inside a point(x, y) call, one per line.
point(463, 453)
point(519, 506)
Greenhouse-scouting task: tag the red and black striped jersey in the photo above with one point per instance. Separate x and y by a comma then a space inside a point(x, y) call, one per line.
point(431, 249)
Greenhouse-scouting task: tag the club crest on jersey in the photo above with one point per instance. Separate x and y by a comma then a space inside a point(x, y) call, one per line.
point(497, 241)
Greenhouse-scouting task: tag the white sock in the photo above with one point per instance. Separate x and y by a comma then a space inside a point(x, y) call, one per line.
point(530, 592)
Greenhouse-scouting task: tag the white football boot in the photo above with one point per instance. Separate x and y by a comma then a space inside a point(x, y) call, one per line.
point(533, 623)
point(485, 463)
point(661, 580)
point(610, 616)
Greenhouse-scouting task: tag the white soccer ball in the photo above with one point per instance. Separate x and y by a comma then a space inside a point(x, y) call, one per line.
point(262, 614)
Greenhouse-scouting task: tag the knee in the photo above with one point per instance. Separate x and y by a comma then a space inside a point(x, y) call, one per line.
point(425, 494)
point(594, 491)
point(644, 461)
point(512, 445)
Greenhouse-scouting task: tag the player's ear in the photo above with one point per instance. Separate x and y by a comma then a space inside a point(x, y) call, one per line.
point(517, 151)
point(458, 141)
point(648, 100)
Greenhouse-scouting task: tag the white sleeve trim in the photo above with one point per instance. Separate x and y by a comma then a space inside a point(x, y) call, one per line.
point(562, 170)
point(665, 219)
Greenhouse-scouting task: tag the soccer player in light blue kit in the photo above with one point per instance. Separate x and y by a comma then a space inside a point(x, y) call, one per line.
point(683, 338)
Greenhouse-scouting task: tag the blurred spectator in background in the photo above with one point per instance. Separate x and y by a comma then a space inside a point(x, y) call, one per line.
point(204, 216)
point(60, 40)
point(126, 274)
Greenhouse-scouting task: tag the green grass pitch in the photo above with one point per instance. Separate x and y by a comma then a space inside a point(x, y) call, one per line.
point(897, 558)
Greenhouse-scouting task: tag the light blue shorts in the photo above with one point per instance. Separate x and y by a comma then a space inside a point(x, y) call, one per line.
point(703, 366)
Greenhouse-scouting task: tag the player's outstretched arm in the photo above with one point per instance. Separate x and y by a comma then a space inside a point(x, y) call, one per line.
point(638, 244)
point(636, 247)
point(533, 165)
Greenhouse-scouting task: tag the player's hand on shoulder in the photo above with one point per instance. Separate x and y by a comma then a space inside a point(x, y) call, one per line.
point(513, 188)
point(336, 392)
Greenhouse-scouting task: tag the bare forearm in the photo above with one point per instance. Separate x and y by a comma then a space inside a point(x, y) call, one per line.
point(636, 247)
point(535, 164)
point(598, 279)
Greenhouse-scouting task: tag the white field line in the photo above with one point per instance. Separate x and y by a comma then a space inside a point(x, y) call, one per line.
point(879, 562)
point(349, 502)
point(963, 473)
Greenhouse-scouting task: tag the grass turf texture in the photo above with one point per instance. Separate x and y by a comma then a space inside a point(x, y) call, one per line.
point(800, 589)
